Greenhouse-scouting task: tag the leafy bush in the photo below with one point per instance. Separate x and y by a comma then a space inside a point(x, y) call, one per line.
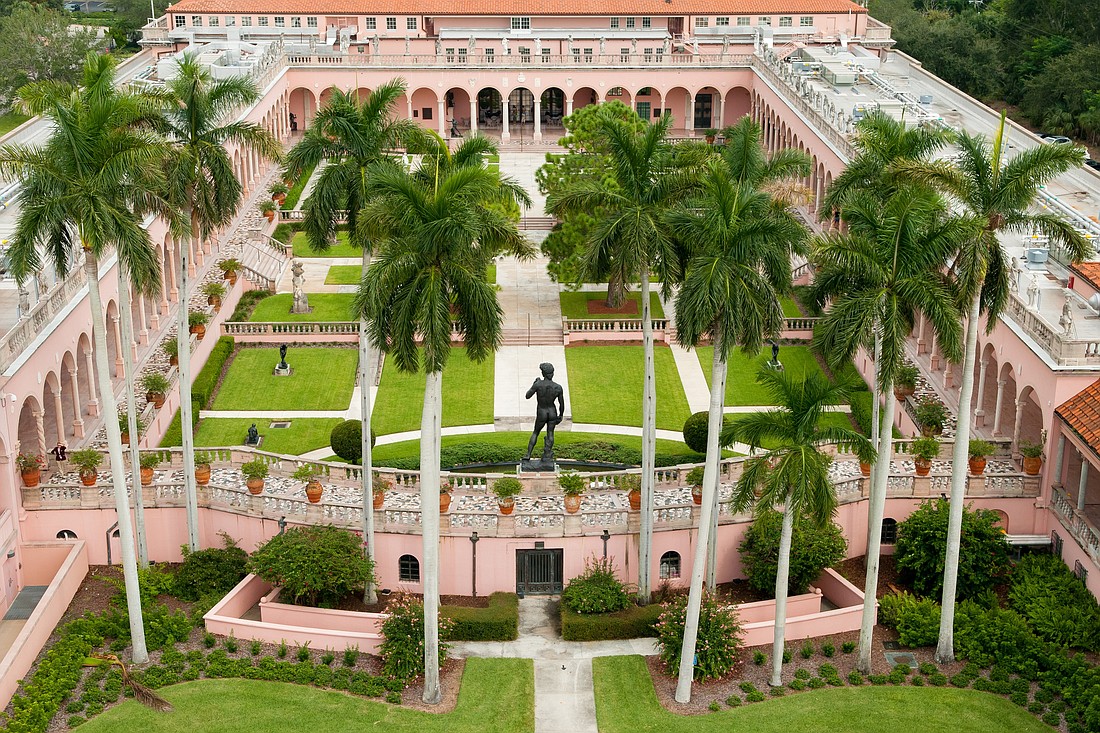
point(214, 570)
point(863, 411)
point(402, 648)
point(916, 619)
point(717, 645)
point(498, 622)
point(1056, 604)
point(346, 440)
point(313, 565)
point(922, 549)
point(596, 590)
point(695, 431)
point(635, 622)
point(812, 550)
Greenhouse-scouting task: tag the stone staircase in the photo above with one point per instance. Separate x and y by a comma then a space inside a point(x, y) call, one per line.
point(532, 337)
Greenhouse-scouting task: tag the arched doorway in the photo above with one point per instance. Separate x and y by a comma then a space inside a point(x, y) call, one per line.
point(552, 103)
point(584, 97)
point(707, 109)
point(458, 108)
point(738, 104)
point(490, 108)
point(647, 103)
point(32, 432)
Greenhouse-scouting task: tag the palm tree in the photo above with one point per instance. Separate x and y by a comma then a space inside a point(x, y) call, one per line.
point(432, 232)
point(878, 276)
point(998, 194)
point(203, 186)
point(82, 190)
point(794, 473)
point(354, 138)
point(629, 241)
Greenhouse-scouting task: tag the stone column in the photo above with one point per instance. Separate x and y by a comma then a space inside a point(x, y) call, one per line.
point(89, 367)
point(143, 329)
point(538, 118)
point(410, 107)
point(504, 134)
point(154, 312)
point(443, 118)
point(1082, 485)
point(979, 414)
point(40, 432)
point(59, 410)
point(922, 344)
point(473, 113)
point(1059, 458)
point(78, 422)
point(173, 291)
point(1016, 428)
point(689, 113)
point(568, 104)
point(119, 346)
point(997, 407)
point(934, 357)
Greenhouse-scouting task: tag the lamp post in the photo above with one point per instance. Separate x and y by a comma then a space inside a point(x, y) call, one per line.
point(473, 570)
point(605, 537)
point(282, 524)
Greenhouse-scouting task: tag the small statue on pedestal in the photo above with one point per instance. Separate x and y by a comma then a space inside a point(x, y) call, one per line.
point(253, 436)
point(298, 281)
point(774, 362)
point(550, 411)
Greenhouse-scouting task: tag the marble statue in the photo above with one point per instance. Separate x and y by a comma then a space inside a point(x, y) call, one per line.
point(1032, 293)
point(1014, 275)
point(298, 281)
point(1066, 321)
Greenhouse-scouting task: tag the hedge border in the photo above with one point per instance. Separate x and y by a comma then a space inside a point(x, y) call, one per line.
point(498, 622)
point(633, 623)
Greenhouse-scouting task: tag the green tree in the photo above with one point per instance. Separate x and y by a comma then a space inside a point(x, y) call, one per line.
point(37, 45)
point(86, 191)
point(629, 242)
point(794, 473)
point(202, 185)
point(813, 548)
point(997, 195)
point(432, 228)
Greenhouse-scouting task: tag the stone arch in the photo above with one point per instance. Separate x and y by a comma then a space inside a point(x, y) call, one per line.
point(707, 108)
point(401, 108)
point(652, 97)
point(490, 107)
point(985, 389)
point(737, 105)
point(302, 104)
point(1030, 419)
point(458, 107)
point(620, 94)
point(424, 107)
point(521, 106)
point(53, 411)
point(583, 97)
point(1004, 420)
point(678, 99)
point(325, 96)
point(552, 106)
point(30, 431)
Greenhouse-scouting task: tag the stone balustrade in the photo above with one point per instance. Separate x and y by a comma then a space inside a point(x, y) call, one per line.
point(522, 61)
point(1063, 349)
point(1075, 521)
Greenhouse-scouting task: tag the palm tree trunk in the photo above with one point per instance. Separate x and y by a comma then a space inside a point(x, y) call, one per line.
point(649, 448)
point(118, 470)
point(183, 342)
point(366, 377)
point(430, 432)
point(945, 648)
point(131, 412)
point(782, 576)
point(875, 508)
point(876, 417)
point(710, 489)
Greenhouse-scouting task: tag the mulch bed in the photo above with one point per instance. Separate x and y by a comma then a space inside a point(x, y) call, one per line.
point(854, 571)
point(600, 307)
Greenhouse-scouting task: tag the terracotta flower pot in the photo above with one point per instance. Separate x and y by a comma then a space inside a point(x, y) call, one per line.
point(279, 198)
point(314, 491)
point(697, 496)
point(173, 360)
point(31, 477)
point(379, 499)
point(126, 438)
point(1032, 466)
point(156, 398)
point(88, 478)
point(255, 486)
point(199, 330)
point(923, 467)
point(269, 215)
point(231, 276)
point(506, 506)
point(977, 466)
point(572, 503)
point(865, 468)
point(444, 502)
point(202, 474)
point(635, 500)
point(214, 301)
point(902, 392)
point(147, 476)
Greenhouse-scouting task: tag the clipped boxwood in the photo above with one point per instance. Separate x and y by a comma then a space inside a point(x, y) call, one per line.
point(632, 623)
point(498, 622)
point(595, 451)
point(346, 440)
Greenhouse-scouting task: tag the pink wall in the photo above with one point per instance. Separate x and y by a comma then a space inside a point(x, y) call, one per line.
point(805, 619)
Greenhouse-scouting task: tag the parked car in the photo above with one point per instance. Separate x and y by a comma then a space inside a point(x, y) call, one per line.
point(1056, 139)
point(1094, 164)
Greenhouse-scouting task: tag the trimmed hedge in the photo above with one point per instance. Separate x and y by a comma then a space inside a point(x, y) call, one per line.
point(634, 623)
point(498, 622)
point(595, 451)
point(295, 191)
point(202, 389)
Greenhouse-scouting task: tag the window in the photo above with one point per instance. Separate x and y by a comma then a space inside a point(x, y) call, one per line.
point(587, 55)
point(450, 55)
point(1080, 571)
point(701, 22)
point(262, 22)
point(427, 115)
point(246, 21)
point(615, 92)
point(230, 21)
point(647, 54)
point(764, 21)
point(490, 55)
point(461, 55)
point(645, 92)
point(372, 24)
point(280, 21)
point(660, 54)
point(311, 21)
point(525, 54)
point(196, 20)
point(410, 24)
point(670, 565)
point(743, 21)
point(1055, 544)
point(889, 531)
point(179, 21)
point(521, 24)
point(214, 21)
point(295, 22)
point(806, 21)
point(722, 20)
point(545, 55)
point(647, 22)
point(629, 22)
point(391, 24)
point(624, 55)
point(68, 534)
point(408, 569)
point(785, 21)
point(614, 24)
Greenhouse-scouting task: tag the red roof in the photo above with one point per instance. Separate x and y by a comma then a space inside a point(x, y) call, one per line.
point(443, 8)
point(1089, 271)
point(1082, 413)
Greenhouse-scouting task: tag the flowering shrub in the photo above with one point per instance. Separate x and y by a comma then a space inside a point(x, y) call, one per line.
point(313, 565)
point(718, 643)
point(402, 648)
point(596, 590)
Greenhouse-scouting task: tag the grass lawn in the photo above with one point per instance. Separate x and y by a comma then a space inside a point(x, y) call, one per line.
point(326, 307)
point(342, 275)
point(575, 305)
point(467, 395)
point(626, 703)
point(303, 435)
point(790, 308)
point(605, 386)
point(497, 696)
point(491, 274)
point(741, 385)
point(322, 380)
point(518, 440)
point(340, 249)
point(10, 121)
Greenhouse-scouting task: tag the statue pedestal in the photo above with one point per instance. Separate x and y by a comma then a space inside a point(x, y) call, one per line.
point(249, 444)
point(775, 365)
point(537, 465)
point(282, 371)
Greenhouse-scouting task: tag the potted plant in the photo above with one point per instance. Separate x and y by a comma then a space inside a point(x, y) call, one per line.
point(87, 462)
point(1033, 457)
point(229, 267)
point(196, 322)
point(202, 469)
point(978, 451)
point(445, 489)
point(905, 381)
point(124, 425)
point(632, 485)
point(931, 416)
point(171, 348)
point(254, 473)
point(507, 489)
point(572, 485)
point(710, 135)
point(924, 450)
point(278, 191)
point(695, 481)
point(148, 463)
point(214, 292)
point(267, 208)
point(379, 486)
point(864, 468)
point(308, 473)
point(30, 468)
point(156, 387)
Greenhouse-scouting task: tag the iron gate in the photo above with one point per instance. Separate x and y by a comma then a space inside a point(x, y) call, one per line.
point(538, 572)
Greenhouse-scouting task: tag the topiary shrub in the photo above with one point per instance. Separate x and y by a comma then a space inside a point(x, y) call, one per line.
point(498, 622)
point(813, 549)
point(633, 622)
point(213, 571)
point(315, 566)
point(596, 590)
point(922, 549)
point(717, 646)
point(346, 440)
point(402, 647)
point(695, 431)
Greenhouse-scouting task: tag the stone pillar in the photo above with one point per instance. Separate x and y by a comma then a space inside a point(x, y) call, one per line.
point(143, 328)
point(689, 113)
point(949, 374)
point(119, 346)
point(568, 105)
point(40, 432)
point(78, 422)
point(934, 357)
point(153, 311)
point(443, 130)
point(979, 413)
point(173, 291)
point(57, 408)
point(504, 134)
point(1059, 458)
point(410, 108)
point(1082, 485)
point(473, 113)
point(997, 407)
point(538, 118)
point(1016, 428)
point(93, 402)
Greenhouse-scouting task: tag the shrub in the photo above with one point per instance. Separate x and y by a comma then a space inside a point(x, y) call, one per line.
point(247, 303)
point(230, 643)
point(498, 622)
point(346, 440)
point(255, 647)
point(402, 648)
point(328, 658)
point(733, 701)
point(862, 411)
point(316, 564)
point(848, 647)
point(1056, 604)
point(214, 570)
point(922, 548)
point(507, 487)
point(209, 640)
point(718, 642)
point(812, 550)
point(855, 678)
point(828, 649)
point(634, 622)
point(807, 649)
point(916, 619)
point(303, 653)
point(755, 696)
point(351, 656)
point(758, 658)
point(596, 590)
point(695, 431)
point(714, 707)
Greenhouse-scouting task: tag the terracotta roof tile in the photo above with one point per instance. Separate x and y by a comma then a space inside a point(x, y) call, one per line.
point(1082, 413)
point(1089, 271)
point(444, 8)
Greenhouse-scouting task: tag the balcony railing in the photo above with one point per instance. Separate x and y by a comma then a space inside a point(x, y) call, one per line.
point(34, 323)
point(1062, 348)
point(523, 61)
point(1075, 521)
